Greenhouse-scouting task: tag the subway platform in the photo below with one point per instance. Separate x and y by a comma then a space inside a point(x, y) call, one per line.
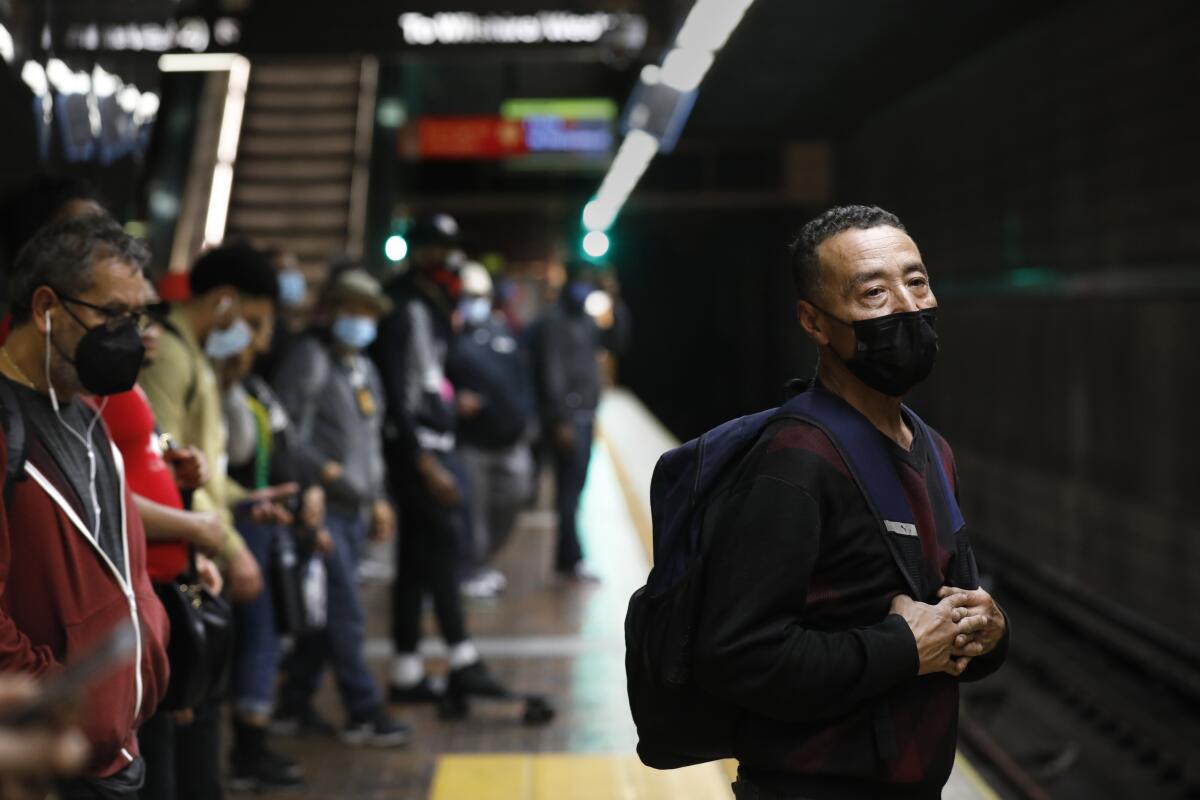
point(543, 636)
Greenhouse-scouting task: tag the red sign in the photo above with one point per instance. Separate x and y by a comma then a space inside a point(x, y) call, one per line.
point(469, 137)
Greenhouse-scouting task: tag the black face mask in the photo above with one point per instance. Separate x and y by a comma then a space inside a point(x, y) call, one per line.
point(108, 361)
point(894, 353)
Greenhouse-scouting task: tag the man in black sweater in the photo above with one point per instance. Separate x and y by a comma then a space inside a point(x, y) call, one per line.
point(847, 678)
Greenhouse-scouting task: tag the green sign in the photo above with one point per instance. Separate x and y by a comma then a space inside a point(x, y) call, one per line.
point(582, 108)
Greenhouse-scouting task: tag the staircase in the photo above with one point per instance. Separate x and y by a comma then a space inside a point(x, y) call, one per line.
point(300, 180)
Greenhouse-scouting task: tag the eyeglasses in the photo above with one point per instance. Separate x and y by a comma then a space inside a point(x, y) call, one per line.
point(140, 318)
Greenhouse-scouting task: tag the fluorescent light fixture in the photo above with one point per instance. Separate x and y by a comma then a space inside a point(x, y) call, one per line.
point(707, 27)
point(626, 170)
point(34, 76)
point(218, 204)
point(684, 68)
point(147, 106)
point(128, 97)
point(710, 23)
point(8, 49)
point(104, 83)
point(196, 62)
point(235, 104)
point(227, 145)
point(593, 217)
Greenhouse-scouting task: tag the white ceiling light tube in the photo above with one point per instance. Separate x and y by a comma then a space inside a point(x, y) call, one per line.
point(706, 29)
point(7, 47)
point(34, 76)
point(196, 62)
point(227, 145)
point(684, 68)
point(710, 23)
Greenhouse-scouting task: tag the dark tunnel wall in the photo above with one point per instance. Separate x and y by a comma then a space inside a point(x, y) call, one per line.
point(713, 302)
point(1053, 187)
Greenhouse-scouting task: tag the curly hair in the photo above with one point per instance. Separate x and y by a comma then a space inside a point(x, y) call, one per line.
point(62, 255)
point(806, 269)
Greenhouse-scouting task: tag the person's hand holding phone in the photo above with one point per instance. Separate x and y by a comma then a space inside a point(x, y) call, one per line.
point(191, 469)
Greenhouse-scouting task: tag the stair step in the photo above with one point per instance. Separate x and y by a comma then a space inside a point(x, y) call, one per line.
point(303, 99)
point(293, 170)
point(299, 220)
point(251, 193)
point(272, 145)
point(306, 74)
point(264, 121)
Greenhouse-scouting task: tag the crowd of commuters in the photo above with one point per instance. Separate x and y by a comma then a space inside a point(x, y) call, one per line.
point(209, 474)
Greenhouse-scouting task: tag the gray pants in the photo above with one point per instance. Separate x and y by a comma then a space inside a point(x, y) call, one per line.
point(500, 483)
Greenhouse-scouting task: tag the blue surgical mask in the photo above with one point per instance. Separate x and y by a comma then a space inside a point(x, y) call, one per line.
point(223, 343)
point(475, 310)
point(292, 288)
point(354, 332)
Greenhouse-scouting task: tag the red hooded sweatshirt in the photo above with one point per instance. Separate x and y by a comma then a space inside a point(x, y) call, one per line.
point(60, 594)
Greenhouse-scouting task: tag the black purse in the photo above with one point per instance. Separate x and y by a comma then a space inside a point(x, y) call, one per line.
point(201, 646)
point(287, 585)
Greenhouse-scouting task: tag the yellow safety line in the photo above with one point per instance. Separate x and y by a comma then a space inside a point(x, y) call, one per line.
point(971, 774)
point(570, 776)
point(637, 511)
point(645, 529)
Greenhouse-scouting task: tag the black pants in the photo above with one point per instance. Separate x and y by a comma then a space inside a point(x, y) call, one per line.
point(198, 755)
point(570, 474)
point(426, 563)
point(156, 740)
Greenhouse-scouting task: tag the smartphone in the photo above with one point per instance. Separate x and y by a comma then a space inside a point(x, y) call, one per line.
point(115, 650)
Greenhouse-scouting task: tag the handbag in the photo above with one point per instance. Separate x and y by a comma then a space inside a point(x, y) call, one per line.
point(201, 646)
point(287, 586)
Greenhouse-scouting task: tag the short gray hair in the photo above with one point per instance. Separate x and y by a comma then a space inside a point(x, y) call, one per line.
point(806, 269)
point(61, 255)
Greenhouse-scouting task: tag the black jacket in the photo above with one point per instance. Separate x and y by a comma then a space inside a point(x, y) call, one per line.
point(795, 627)
point(411, 351)
point(488, 361)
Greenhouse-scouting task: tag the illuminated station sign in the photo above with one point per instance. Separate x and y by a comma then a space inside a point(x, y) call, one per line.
point(581, 128)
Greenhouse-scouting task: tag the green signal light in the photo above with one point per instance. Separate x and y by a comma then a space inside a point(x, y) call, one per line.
point(395, 248)
point(596, 244)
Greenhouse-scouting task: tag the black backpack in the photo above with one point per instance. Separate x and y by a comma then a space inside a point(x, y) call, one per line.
point(678, 723)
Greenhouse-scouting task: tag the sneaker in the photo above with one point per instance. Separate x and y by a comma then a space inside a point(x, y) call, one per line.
point(475, 679)
point(268, 771)
point(496, 579)
point(579, 573)
point(423, 691)
point(478, 588)
point(377, 730)
point(255, 767)
point(302, 722)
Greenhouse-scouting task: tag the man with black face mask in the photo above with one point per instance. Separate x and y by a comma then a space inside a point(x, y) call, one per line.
point(72, 549)
point(841, 638)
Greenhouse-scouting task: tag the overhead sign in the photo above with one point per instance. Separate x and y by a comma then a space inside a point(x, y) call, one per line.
point(546, 27)
point(477, 137)
point(600, 108)
point(573, 126)
point(191, 33)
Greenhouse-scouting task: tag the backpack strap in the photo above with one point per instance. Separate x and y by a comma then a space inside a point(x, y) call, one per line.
point(862, 447)
point(190, 393)
point(14, 431)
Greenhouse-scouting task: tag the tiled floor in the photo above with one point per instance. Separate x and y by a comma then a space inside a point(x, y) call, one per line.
point(564, 641)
